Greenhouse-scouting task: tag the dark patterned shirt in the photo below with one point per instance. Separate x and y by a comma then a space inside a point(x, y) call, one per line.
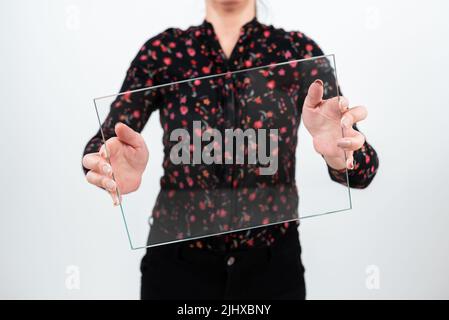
point(195, 198)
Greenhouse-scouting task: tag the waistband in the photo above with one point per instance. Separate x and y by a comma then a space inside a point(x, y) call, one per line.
point(181, 251)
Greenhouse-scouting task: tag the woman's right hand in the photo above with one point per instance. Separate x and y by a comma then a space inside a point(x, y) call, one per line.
point(128, 155)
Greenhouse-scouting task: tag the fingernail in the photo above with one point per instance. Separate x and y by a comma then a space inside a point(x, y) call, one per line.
point(110, 185)
point(345, 123)
point(318, 81)
point(343, 104)
point(344, 143)
point(107, 169)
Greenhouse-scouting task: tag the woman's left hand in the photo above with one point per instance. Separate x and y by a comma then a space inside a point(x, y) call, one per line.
point(325, 119)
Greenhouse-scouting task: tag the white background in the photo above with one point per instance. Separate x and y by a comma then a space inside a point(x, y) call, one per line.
point(57, 55)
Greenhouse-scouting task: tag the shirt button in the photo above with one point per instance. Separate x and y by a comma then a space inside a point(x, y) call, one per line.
point(231, 261)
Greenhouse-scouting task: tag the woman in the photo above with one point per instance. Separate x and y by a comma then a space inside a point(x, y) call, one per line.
point(262, 263)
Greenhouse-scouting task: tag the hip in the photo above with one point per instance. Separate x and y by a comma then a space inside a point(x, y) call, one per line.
point(178, 271)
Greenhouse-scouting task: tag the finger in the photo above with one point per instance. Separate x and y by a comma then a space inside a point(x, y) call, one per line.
point(103, 152)
point(93, 161)
point(110, 148)
point(353, 115)
point(314, 95)
point(128, 135)
point(350, 160)
point(101, 181)
point(115, 199)
point(339, 104)
point(351, 143)
point(343, 104)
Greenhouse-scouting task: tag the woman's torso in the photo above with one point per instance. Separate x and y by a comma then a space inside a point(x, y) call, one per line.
point(206, 199)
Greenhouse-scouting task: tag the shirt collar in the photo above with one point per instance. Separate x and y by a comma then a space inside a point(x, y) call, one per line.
point(205, 34)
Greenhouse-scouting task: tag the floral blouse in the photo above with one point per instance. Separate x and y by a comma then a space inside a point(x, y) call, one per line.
point(203, 199)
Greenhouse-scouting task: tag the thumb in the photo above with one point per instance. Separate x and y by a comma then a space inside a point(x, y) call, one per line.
point(315, 94)
point(127, 135)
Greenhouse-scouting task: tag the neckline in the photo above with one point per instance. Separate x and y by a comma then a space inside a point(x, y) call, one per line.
point(251, 23)
point(211, 37)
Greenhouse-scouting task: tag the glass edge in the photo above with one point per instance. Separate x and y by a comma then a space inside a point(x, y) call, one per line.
point(132, 247)
point(117, 191)
point(238, 230)
point(214, 76)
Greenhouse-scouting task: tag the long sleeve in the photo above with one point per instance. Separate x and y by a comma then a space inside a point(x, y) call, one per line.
point(366, 161)
point(133, 109)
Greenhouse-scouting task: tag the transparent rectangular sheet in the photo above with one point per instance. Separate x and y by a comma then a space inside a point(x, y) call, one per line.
point(214, 183)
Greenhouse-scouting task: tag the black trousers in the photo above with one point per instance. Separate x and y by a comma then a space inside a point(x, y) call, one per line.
point(176, 271)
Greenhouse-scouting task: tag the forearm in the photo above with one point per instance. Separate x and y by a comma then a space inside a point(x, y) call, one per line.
point(134, 108)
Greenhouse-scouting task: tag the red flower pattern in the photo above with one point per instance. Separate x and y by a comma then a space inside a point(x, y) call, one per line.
point(177, 54)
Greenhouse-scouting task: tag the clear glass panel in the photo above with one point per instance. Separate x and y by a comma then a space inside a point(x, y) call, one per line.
point(233, 150)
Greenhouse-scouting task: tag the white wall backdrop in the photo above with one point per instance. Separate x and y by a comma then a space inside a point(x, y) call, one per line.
point(57, 55)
